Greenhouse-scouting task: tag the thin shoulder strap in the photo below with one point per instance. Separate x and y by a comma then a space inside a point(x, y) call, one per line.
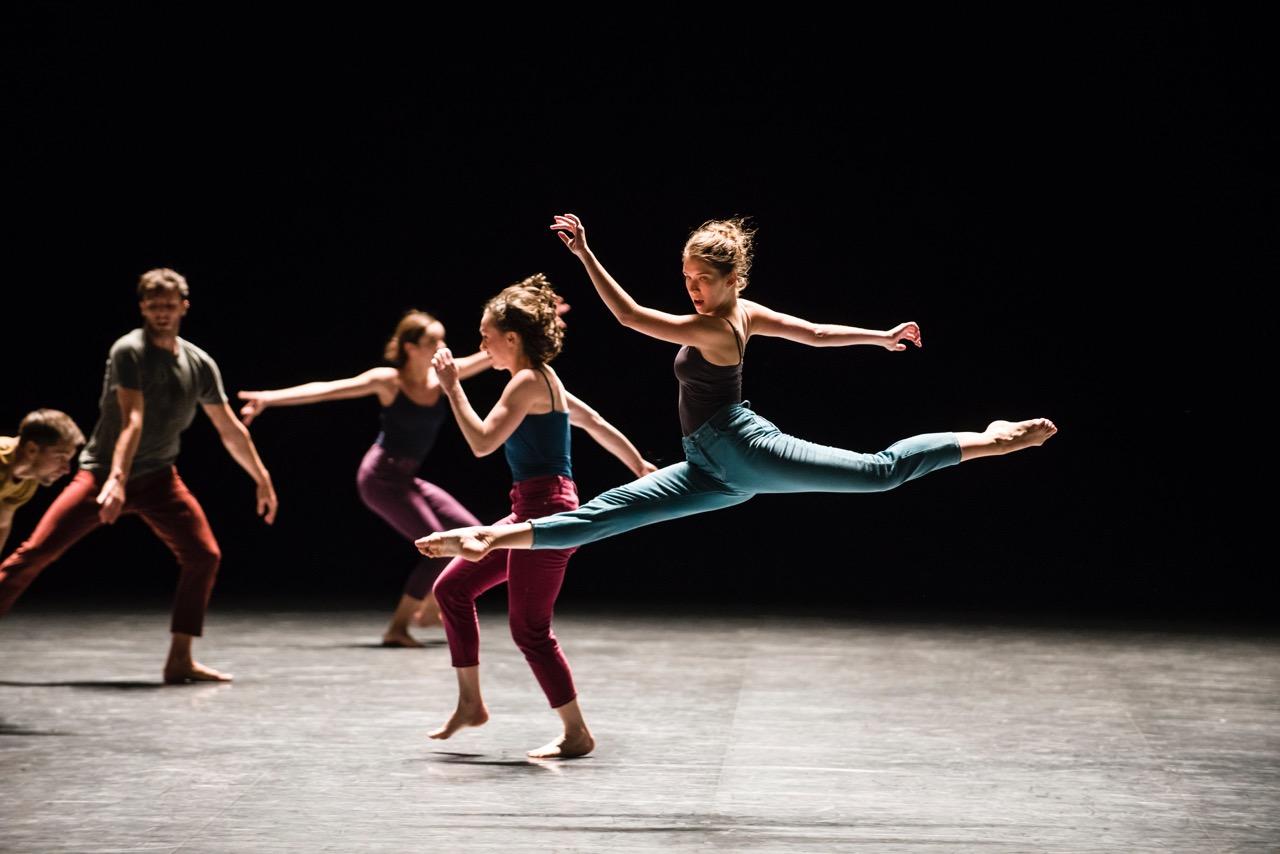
point(550, 389)
point(737, 339)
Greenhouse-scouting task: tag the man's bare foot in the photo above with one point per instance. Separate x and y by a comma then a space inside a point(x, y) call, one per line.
point(567, 746)
point(470, 543)
point(1012, 436)
point(400, 638)
point(463, 716)
point(177, 673)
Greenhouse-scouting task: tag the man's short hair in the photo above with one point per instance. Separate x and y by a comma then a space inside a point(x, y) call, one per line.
point(162, 280)
point(48, 427)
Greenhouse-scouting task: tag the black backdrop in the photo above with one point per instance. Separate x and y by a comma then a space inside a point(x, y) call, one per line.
point(1073, 208)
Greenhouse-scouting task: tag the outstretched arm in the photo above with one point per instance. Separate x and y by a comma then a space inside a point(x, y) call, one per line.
point(370, 382)
point(235, 437)
point(486, 435)
point(607, 436)
point(775, 324)
point(693, 329)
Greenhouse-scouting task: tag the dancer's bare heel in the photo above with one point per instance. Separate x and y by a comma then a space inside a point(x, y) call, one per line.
point(1015, 435)
point(1005, 437)
point(567, 746)
point(464, 716)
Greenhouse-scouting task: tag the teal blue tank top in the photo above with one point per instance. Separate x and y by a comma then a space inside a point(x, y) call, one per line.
point(540, 445)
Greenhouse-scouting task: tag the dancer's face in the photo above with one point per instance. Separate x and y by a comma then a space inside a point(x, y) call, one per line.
point(424, 348)
point(47, 463)
point(709, 289)
point(503, 347)
point(162, 311)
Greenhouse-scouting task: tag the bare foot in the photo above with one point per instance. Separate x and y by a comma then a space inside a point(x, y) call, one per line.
point(470, 543)
point(177, 673)
point(567, 746)
point(427, 617)
point(400, 638)
point(464, 715)
point(1012, 436)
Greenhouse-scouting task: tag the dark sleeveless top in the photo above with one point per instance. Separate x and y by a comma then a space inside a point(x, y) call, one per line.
point(410, 429)
point(540, 445)
point(706, 388)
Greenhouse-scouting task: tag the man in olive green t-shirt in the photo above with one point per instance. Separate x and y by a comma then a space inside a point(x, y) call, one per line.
point(154, 383)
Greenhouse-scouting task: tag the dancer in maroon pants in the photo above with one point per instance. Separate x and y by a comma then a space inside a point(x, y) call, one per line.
point(531, 423)
point(154, 383)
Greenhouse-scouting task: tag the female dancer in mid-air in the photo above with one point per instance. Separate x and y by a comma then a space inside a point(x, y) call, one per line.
point(530, 422)
point(731, 453)
point(412, 412)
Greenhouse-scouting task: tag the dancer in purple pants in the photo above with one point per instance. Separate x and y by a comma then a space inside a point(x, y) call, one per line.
point(413, 408)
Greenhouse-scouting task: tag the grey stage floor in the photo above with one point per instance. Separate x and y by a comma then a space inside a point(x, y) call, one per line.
point(725, 734)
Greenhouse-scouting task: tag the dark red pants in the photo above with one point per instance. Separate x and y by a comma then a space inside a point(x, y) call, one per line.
point(533, 582)
point(164, 503)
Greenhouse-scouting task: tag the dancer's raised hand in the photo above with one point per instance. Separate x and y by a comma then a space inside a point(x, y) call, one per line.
point(572, 233)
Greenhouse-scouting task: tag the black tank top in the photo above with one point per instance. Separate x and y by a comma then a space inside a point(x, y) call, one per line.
point(410, 429)
point(706, 388)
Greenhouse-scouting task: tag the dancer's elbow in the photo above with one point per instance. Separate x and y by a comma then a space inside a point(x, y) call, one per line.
point(484, 449)
point(628, 317)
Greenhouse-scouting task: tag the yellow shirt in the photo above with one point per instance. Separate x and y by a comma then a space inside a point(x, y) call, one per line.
point(13, 493)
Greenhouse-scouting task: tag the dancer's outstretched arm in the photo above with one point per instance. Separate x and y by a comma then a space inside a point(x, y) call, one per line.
point(486, 435)
point(695, 330)
point(380, 381)
point(704, 331)
point(607, 436)
point(763, 320)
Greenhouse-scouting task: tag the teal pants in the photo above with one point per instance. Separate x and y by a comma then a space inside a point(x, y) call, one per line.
point(737, 454)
